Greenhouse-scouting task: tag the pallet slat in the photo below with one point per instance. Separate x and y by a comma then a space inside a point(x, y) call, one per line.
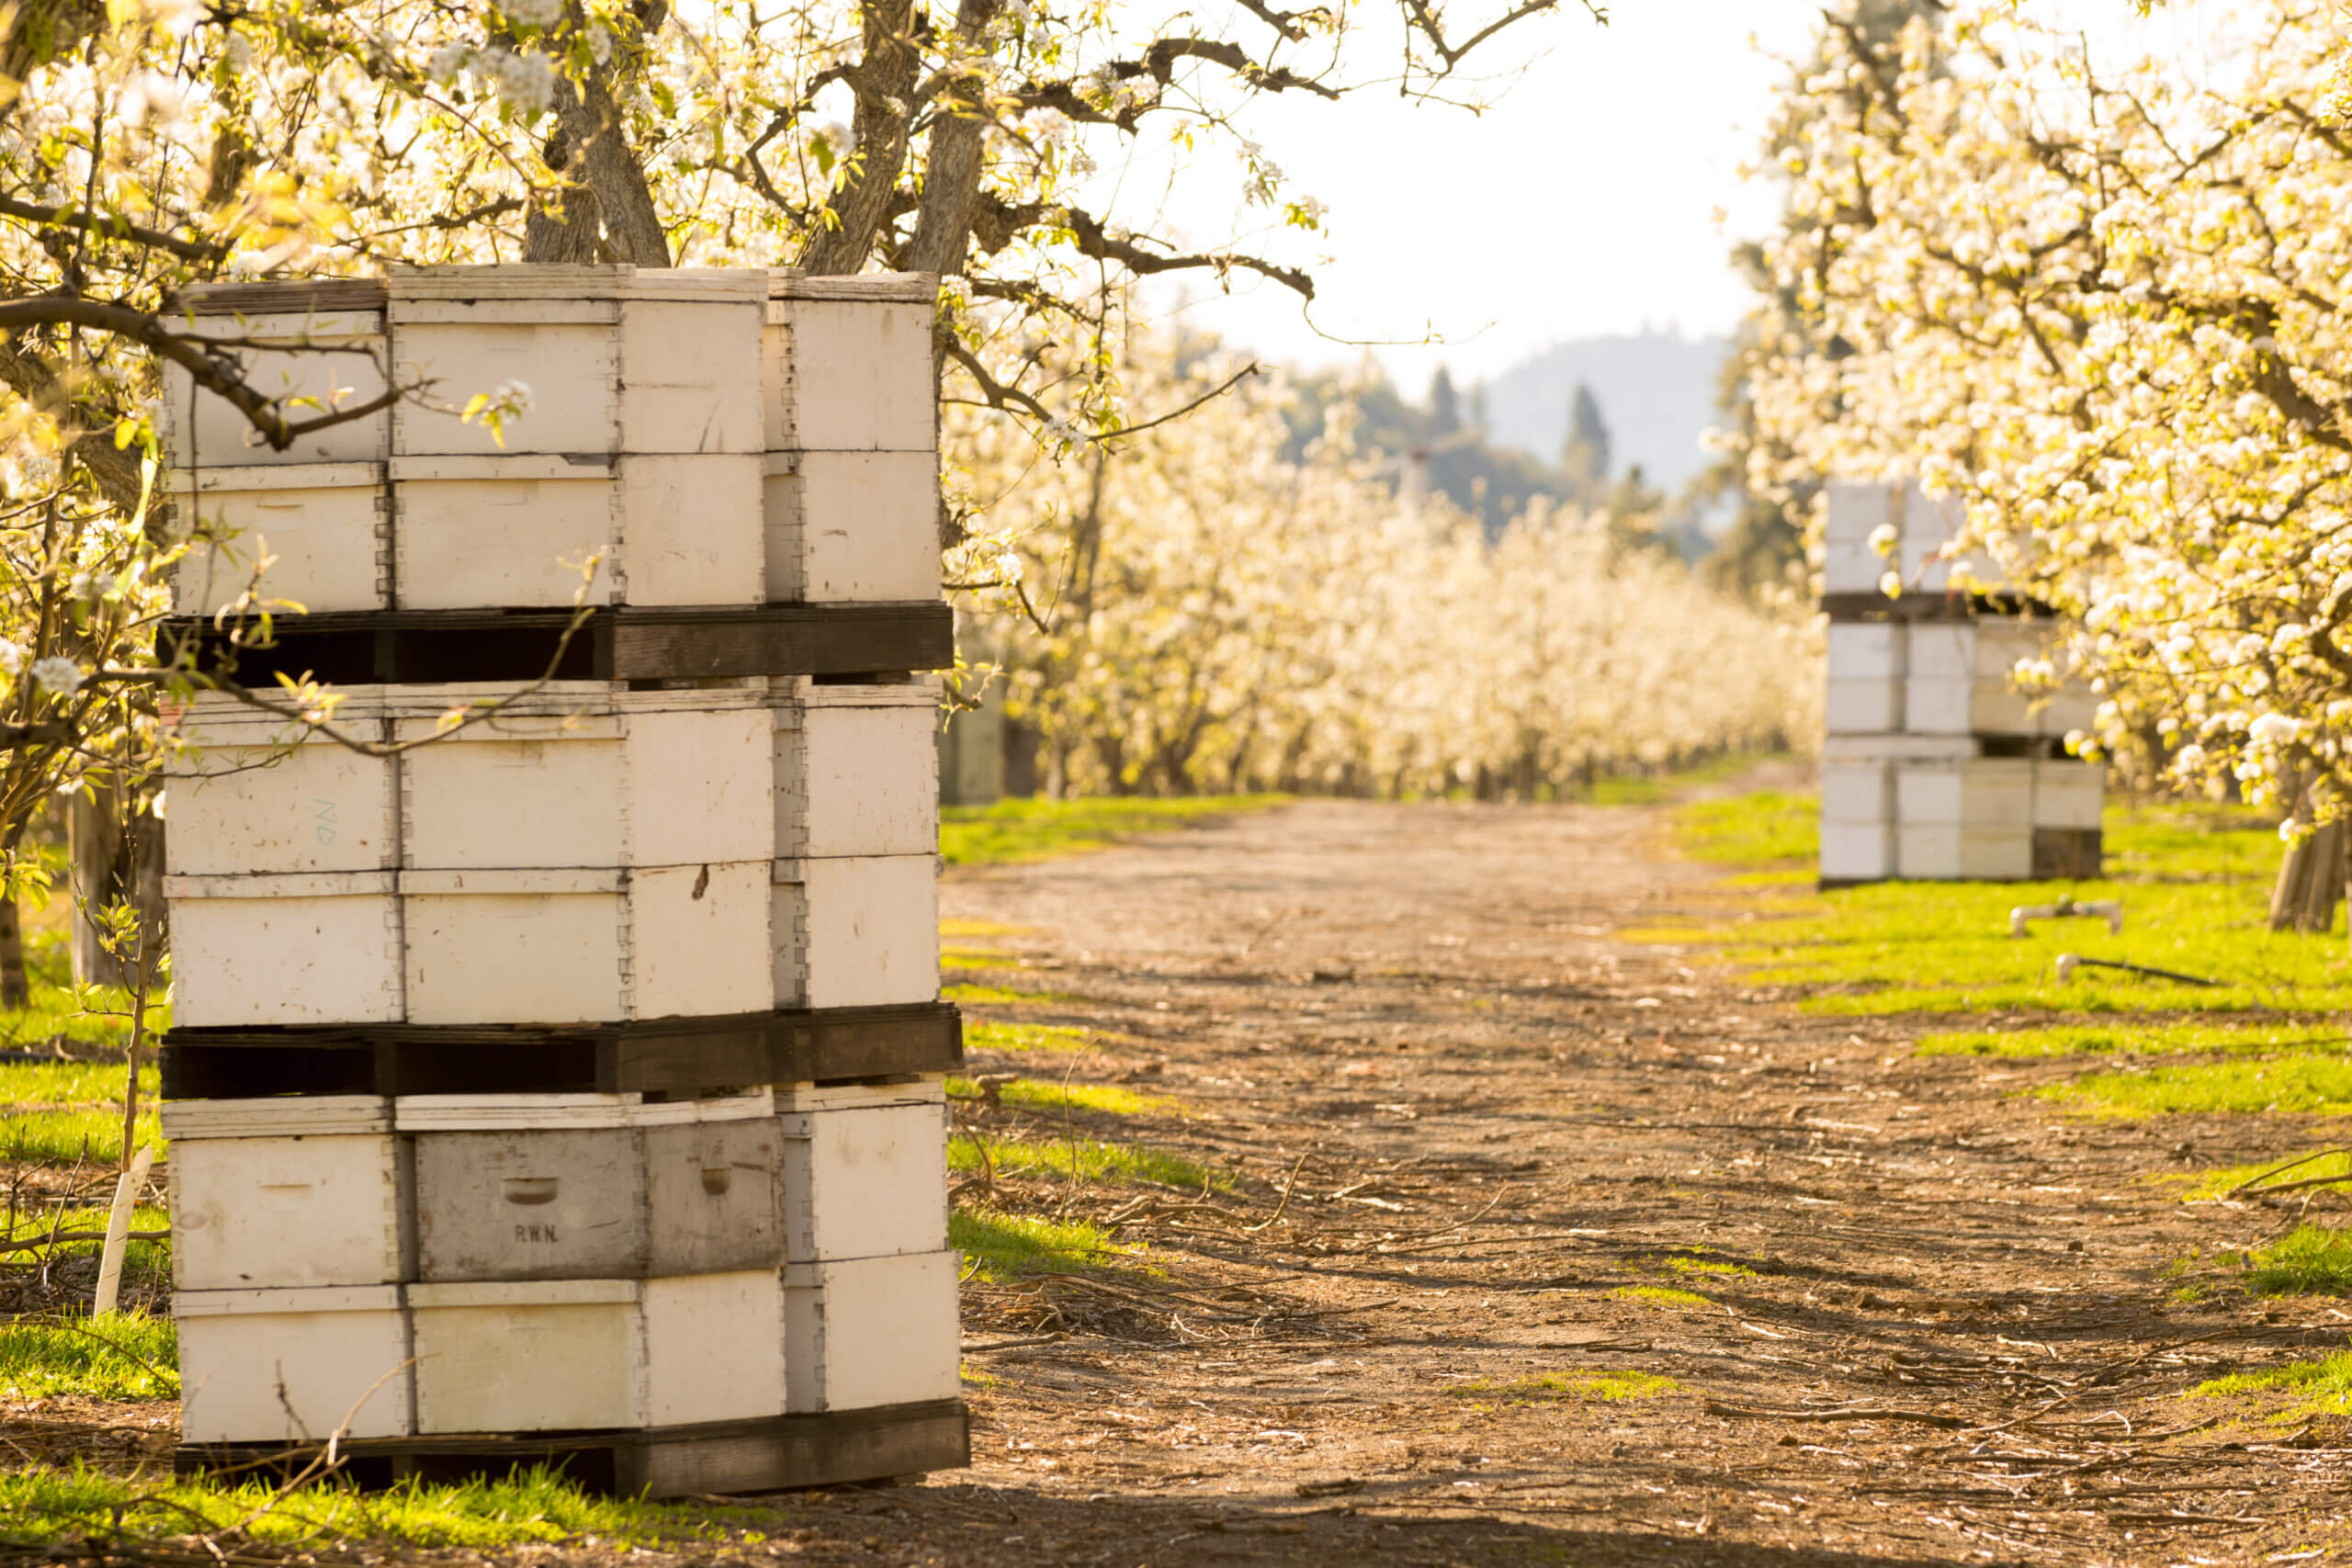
point(679, 1056)
point(441, 647)
point(772, 1454)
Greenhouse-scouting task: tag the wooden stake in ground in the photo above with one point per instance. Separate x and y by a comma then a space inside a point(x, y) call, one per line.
point(125, 1198)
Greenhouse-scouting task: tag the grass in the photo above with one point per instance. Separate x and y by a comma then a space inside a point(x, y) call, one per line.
point(88, 1134)
point(2321, 1387)
point(993, 1034)
point(2321, 1085)
point(43, 1505)
point(2221, 1182)
point(2131, 1039)
point(1004, 996)
point(1604, 1387)
point(127, 1356)
point(69, 1083)
point(1011, 832)
point(1722, 1268)
point(1029, 1094)
point(1760, 830)
point(1664, 1295)
point(2313, 1260)
point(1650, 789)
point(2195, 886)
point(1085, 1160)
point(1000, 1247)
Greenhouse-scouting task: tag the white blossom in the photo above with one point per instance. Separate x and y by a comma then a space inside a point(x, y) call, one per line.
point(57, 674)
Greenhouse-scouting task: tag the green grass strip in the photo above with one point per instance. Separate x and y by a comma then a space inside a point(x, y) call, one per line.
point(1000, 1247)
point(43, 1505)
point(2304, 1084)
point(994, 1034)
point(2323, 1387)
point(1012, 832)
point(1089, 1160)
point(126, 1356)
point(1582, 1387)
point(1758, 829)
point(2168, 1039)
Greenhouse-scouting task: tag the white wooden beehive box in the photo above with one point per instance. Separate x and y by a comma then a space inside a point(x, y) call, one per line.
point(570, 1185)
point(856, 768)
point(326, 530)
point(335, 358)
point(1945, 852)
point(851, 485)
point(590, 1354)
point(502, 946)
point(642, 442)
point(872, 1331)
point(855, 931)
point(258, 793)
point(2068, 793)
point(1930, 565)
point(1960, 682)
point(267, 1366)
point(285, 1192)
point(1853, 511)
point(581, 773)
point(1981, 792)
point(1857, 852)
point(1865, 663)
point(617, 359)
point(319, 947)
point(865, 1169)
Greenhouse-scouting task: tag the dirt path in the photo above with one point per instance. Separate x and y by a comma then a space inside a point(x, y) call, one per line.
point(1512, 1127)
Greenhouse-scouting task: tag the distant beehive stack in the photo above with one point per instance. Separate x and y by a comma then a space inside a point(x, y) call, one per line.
point(568, 1085)
point(1935, 766)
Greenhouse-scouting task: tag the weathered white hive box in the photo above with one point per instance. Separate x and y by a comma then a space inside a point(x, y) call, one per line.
point(285, 1193)
point(1853, 512)
point(507, 946)
point(267, 1366)
point(1970, 819)
point(578, 1187)
point(865, 1169)
point(552, 1355)
point(1858, 798)
point(871, 1331)
point(851, 485)
point(642, 442)
point(1958, 682)
point(1866, 667)
point(589, 854)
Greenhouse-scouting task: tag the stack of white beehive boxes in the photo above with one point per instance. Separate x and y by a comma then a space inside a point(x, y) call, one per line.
point(755, 852)
point(1934, 765)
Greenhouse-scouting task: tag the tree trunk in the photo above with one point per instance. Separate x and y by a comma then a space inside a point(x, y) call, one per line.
point(607, 211)
point(885, 83)
point(16, 985)
point(951, 179)
point(2310, 881)
point(115, 862)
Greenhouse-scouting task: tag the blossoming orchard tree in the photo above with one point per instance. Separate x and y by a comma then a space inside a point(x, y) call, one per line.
point(1200, 612)
point(2108, 311)
point(147, 145)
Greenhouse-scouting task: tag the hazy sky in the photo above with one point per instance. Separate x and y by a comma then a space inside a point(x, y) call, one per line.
point(1596, 196)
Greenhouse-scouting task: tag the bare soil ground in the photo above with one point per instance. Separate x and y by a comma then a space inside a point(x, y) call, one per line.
point(1949, 1337)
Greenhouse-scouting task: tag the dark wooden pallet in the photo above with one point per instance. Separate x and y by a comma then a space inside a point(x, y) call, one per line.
point(1932, 607)
point(772, 1455)
point(375, 648)
point(675, 1056)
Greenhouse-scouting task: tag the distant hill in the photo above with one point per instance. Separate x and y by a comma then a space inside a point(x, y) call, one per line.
point(1656, 393)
